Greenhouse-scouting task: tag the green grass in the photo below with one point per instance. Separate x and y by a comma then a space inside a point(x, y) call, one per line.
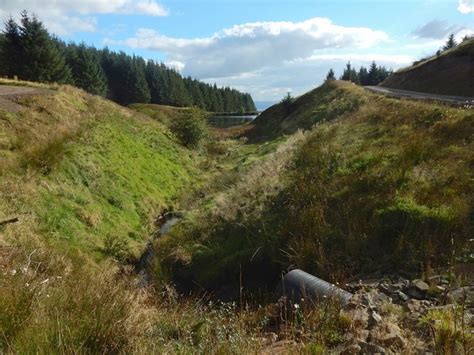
point(322, 104)
point(113, 183)
point(99, 172)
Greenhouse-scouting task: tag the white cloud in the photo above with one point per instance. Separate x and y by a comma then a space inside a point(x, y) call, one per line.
point(252, 46)
point(68, 24)
point(67, 16)
point(466, 6)
point(300, 75)
point(175, 65)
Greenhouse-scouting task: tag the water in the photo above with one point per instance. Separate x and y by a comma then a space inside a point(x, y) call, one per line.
point(165, 228)
point(229, 121)
point(146, 258)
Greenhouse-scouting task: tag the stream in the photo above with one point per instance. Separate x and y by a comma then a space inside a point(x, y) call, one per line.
point(165, 222)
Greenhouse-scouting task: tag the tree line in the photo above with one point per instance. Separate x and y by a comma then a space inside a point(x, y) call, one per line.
point(29, 52)
point(372, 76)
point(450, 43)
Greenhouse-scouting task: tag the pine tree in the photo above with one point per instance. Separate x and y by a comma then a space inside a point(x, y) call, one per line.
point(330, 76)
point(152, 76)
point(373, 77)
point(363, 76)
point(138, 89)
point(43, 60)
point(86, 70)
point(450, 43)
point(350, 74)
point(10, 50)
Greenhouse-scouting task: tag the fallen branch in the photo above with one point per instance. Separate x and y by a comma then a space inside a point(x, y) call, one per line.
point(8, 221)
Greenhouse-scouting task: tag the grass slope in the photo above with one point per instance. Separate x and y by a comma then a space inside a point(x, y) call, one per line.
point(93, 170)
point(377, 183)
point(319, 105)
point(451, 73)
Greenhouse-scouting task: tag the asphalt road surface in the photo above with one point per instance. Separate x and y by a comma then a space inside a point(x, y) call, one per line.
point(457, 100)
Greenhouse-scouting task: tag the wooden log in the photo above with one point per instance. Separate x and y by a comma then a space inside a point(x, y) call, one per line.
point(8, 221)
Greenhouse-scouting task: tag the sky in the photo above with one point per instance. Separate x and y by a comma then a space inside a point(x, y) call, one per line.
point(264, 47)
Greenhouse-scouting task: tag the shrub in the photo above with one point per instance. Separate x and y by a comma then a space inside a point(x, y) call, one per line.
point(191, 127)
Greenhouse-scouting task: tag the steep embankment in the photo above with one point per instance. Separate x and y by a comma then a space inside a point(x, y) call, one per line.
point(88, 171)
point(376, 184)
point(321, 104)
point(450, 73)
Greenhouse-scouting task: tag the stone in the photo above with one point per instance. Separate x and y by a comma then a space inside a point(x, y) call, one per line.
point(417, 289)
point(463, 294)
point(420, 285)
point(374, 319)
point(373, 299)
point(402, 296)
point(368, 348)
point(414, 306)
point(388, 335)
point(360, 317)
point(351, 349)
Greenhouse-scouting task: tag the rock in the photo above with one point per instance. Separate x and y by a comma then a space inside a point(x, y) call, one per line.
point(388, 335)
point(368, 348)
point(420, 285)
point(373, 299)
point(360, 318)
point(415, 306)
point(462, 294)
point(351, 349)
point(401, 296)
point(374, 319)
point(418, 289)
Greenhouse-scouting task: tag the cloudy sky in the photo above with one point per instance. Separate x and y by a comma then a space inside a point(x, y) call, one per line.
point(265, 47)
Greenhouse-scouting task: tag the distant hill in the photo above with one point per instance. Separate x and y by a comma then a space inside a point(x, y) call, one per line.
point(450, 73)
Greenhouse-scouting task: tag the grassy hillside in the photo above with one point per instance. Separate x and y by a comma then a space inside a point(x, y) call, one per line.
point(319, 105)
point(86, 178)
point(89, 169)
point(450, 73)
point(373, 183)
point(377, 183)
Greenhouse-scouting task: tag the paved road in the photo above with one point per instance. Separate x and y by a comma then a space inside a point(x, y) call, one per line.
point(457, 100)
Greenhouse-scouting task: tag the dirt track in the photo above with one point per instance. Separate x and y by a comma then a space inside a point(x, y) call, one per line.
point(9, 95)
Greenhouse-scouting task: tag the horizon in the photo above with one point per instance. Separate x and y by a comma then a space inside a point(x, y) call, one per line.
point(247, 47)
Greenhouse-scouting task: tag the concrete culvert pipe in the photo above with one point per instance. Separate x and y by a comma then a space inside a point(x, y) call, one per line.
point(298, 284)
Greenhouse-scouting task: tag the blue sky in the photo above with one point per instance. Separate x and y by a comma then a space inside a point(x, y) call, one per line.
point(265, 47)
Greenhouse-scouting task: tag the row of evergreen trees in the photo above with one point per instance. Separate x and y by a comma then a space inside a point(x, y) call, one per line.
point(372, 76)
point(29, 52)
